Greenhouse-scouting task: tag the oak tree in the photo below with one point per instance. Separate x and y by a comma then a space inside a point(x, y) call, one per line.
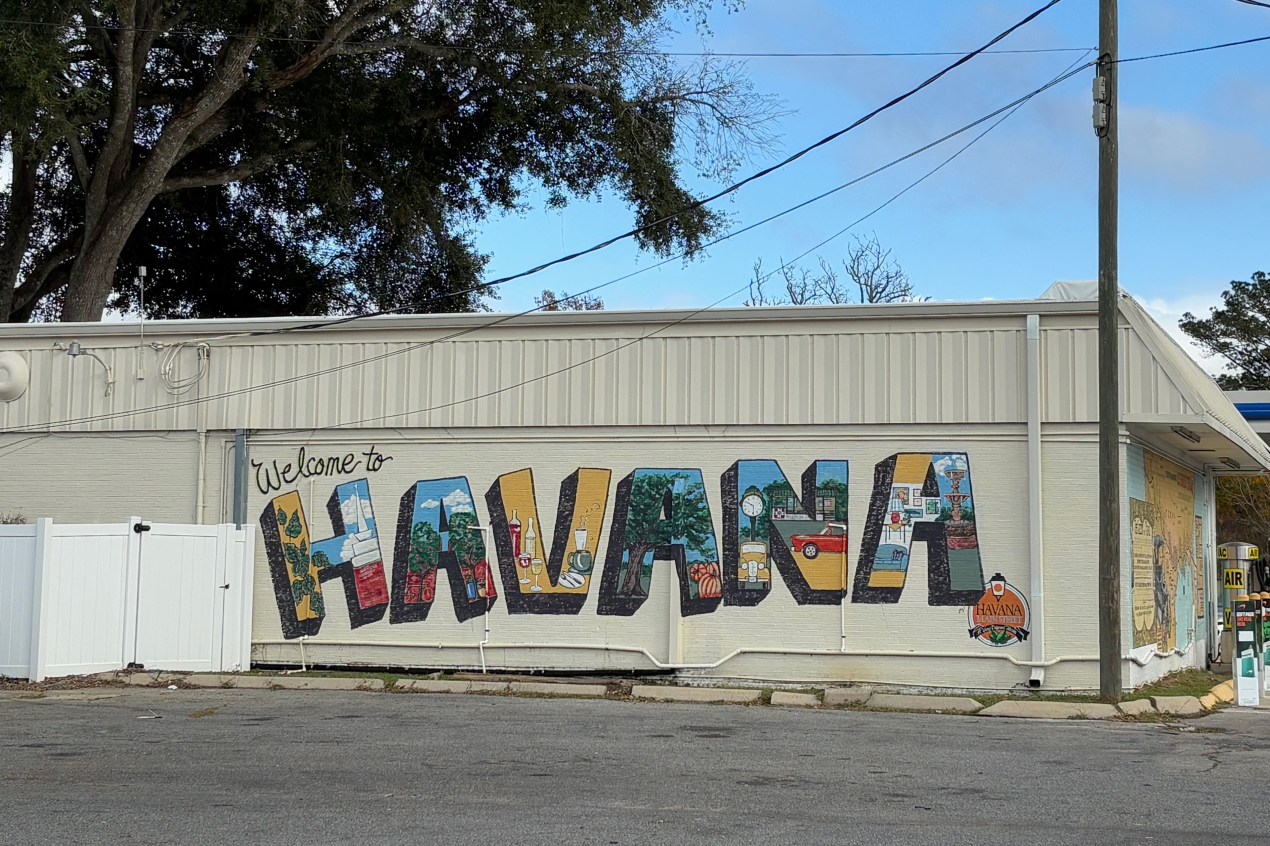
point(354, 145)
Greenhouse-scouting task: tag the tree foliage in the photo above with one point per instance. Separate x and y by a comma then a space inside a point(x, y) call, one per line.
point(1239, 332)
point(548, 301)
point(346, 148)
point(869, 274)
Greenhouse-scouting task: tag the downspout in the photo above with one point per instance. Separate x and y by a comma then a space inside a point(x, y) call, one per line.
point(1036, 549)
point(202, 477)
point(240, 477)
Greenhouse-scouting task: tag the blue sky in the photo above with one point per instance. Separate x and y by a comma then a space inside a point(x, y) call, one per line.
point(1014, 213)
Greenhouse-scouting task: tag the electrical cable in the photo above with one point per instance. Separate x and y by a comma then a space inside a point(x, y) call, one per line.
point(1195, 50)
point(1255, 3)
point(697, 204)
point(1009, 111)
point(515, 315)
point(788, 160)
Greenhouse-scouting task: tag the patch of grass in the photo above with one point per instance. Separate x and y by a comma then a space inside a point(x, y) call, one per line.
point(1191, 682)
point(1148, 717)
point(203, 712)
point(991, 699)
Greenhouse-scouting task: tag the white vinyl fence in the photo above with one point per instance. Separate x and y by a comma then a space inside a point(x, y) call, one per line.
point(78, 599)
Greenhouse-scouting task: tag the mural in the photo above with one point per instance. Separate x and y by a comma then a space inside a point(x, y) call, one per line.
point(802, 532)
point(924, 497)
point(542, 579)
point(437, 528)
point(1200, 568)
point(773, 528)
point(299, 566)
point(661, 515)
point(1164, 555)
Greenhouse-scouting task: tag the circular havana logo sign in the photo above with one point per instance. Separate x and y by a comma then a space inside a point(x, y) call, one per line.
point(1001, 617)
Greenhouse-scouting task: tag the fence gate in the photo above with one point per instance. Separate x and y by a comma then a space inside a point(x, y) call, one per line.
point(180, 597)
point(156, 595)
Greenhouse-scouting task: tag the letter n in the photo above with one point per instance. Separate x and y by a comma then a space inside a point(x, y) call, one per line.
point(928, 498)
point(299, 567)
point(802, 532)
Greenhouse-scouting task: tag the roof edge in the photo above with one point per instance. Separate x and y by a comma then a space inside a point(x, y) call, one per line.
point(219, 326)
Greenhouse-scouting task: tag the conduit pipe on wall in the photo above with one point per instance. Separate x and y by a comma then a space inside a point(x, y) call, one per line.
point(202, 477)
point(662, 665)
point(1036, 548)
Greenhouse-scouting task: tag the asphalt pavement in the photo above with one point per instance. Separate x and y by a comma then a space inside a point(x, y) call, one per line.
point(143, 766)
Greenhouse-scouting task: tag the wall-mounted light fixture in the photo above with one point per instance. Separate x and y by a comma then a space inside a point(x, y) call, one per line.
point(75, 350)
point(1229, 462)
point(1186, 433)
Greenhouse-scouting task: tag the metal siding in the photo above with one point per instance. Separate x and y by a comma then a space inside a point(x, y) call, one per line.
point(745, 372)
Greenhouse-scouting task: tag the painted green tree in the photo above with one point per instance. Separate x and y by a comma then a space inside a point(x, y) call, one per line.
point(838, 490)
point(647, 528)
point(466, 541)
point(425, 549)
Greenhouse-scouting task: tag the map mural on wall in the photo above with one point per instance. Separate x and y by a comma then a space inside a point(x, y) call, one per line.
point(778, 534)
point(1167, 572)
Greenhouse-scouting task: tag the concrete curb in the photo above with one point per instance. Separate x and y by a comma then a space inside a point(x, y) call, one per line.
point(861, 696)
point(695, 694)
point(1046, 710)
point(835, 696)
point(1137, 707)
point(1178, 706)
point(590, 691)
point(798, 700)
point(936, 704)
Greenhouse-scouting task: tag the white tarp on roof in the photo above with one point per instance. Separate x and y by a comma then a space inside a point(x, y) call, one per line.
point(1069, 292)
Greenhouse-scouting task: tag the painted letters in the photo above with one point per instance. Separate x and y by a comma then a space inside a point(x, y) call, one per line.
point(804, 533)
point(299, 566)
point(661, 515)
point(928, 498)
point(437, 528)
point(542, 579)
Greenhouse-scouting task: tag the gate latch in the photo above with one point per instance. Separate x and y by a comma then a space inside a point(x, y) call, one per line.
point(140, 527)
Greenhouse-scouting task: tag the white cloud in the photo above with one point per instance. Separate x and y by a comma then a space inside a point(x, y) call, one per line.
point(950, 462)
point(349, 509)
point(428, 503)
point(458, 501)
point(1175, 152)
point(346, 551)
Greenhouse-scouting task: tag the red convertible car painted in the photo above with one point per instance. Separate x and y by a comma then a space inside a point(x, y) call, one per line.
point(832, 538)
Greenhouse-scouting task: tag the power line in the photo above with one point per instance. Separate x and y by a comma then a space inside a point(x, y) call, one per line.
point(1223, 46)
point(1255, 3)
point(736, 186)
point(505, 318)
point(1008, 112)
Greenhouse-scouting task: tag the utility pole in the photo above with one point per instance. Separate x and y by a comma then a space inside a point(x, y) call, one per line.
point(1105, 123)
